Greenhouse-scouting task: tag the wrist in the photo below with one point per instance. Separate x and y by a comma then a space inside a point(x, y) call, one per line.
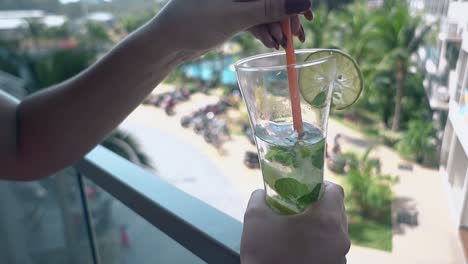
point(161, 32)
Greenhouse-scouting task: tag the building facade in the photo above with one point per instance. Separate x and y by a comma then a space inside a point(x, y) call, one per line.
point(446, 84)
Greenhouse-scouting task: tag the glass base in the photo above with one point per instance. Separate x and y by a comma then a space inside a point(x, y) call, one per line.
point(281, 206)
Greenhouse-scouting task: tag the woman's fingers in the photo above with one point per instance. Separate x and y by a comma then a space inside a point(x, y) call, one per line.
point(262, 33)
point(302, 35)
point(295, 25)
point(277, 34)
point(272, 36)
point(297, 28)
point(309, 15)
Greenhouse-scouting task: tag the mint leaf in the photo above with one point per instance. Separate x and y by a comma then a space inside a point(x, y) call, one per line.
point(320, 98)
point(290, 188)
point(318, 161)
point(311, 197)
point(304, 151)
point(318, 157)
point(282, 155)
point(320, 145)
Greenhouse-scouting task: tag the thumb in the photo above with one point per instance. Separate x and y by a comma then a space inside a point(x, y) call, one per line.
point(257, 200)
point(266, 11)
point(332, 199)
point(257, 205)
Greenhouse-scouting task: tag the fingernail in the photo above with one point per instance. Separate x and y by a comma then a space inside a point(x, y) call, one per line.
point(296, 6)
point(284, 42)
point(309, 15)
point(302, 35)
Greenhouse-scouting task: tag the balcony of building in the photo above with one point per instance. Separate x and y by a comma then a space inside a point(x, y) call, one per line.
point(108, 210)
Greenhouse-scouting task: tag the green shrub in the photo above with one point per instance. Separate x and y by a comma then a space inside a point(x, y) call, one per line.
point(368, 190)
point(419, 143)
point(176, 76)
point(135, 20)
point(390, 138)
point(58, 66)
point(342, 162)
point(337, 164)
point(225, 90)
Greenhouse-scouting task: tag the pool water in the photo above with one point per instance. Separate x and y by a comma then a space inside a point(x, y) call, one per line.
point(207, 69)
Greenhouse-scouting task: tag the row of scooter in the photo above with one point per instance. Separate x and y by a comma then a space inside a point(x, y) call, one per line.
point(206, 122)
point(168, 100)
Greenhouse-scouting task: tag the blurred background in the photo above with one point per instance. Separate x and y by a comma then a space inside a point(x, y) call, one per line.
point(401, 152)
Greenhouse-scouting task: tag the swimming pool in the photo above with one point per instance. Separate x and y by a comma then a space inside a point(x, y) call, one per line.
point(206, 70)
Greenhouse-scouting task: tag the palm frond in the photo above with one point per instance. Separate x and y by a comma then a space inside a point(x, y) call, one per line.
point(418, 39)
point(127, 147)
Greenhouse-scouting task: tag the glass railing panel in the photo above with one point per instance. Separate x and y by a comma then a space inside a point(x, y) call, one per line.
point(42, 222)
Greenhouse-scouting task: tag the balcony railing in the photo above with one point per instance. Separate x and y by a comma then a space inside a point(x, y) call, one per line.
point(437, 92)
point(450, 30)
point(459, 125)
point(208, 233)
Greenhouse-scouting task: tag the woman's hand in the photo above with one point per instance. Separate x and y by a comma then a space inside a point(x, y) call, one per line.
point(197, 26)
point(271, 34)
point(319, 235)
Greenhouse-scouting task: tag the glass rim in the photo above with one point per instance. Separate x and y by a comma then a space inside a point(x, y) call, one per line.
point(239, 65)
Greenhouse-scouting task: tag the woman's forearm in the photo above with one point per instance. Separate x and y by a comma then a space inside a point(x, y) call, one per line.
point(54, 128)
point(59, 125)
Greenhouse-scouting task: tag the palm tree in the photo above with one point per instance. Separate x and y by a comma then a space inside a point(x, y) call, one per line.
point(353, 29)
point(137, 19)
point(399, 37)
point(333, 4)
point(319, 32)
point(126, 146)
point(36, 30)
point(11, 61)
point(96, 38)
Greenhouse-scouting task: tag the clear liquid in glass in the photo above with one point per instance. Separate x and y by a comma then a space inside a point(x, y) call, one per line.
point(292, 167)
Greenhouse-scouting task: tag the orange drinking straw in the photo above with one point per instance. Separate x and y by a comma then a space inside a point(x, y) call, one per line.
point(292, 78)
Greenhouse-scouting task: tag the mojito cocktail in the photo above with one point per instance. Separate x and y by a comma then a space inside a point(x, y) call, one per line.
point(292, 164)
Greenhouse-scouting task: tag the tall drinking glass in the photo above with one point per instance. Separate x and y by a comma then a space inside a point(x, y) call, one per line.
point(292, 165)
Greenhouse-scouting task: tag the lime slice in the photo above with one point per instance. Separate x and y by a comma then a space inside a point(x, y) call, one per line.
point(281, 206)
point(314, 82)
point(270, 174)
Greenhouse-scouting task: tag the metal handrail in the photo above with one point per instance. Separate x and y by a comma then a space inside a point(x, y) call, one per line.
point(208, 233)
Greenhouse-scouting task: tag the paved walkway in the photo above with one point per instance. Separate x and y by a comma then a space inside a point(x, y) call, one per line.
point(183, 159)
point(433, 241)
